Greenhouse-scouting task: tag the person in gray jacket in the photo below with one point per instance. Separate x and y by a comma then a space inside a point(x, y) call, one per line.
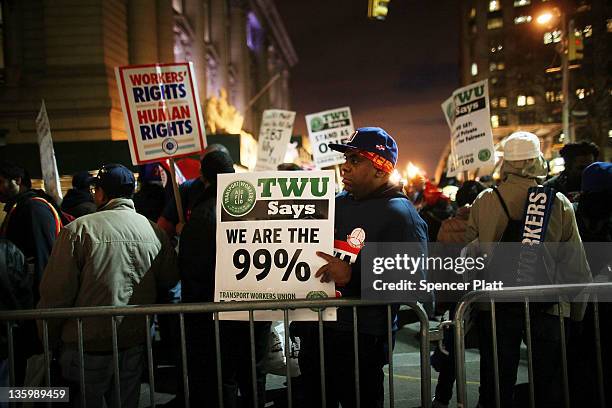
point(113, 257)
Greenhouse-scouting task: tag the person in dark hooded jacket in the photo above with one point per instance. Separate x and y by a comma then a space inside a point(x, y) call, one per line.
point(197, 261)
point(32, 223)
point(78, 200)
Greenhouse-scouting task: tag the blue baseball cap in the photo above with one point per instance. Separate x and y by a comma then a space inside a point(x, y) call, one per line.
point(597, 177)
point(116, 180)
point(370, 139)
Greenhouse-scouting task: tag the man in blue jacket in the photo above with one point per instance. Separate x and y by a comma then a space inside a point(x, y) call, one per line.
point(370, 209)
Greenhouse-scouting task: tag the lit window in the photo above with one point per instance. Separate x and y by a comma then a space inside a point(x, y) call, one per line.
point(520, 3)
point(494, 23)
point(497, 48)
point(494, 5)
point(552, 37)
point(550, 96)
point(495, 121)
point(501, 66)
point(473, 12)
point(503, 102)
point(521, 100)
point(588, 30)
point(494, 81)
point(608, 24)
point(580, 93)
point(492, 67)
point(474, 69)
point(522, 19)
point(530, 100)
point(494, 102)
point(255, 36)
point(610, 133)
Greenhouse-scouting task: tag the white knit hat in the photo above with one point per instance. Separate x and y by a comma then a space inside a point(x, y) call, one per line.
point(522, 146)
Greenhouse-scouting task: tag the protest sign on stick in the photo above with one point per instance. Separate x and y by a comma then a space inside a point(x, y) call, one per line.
point(162, 113)
point(48, 164)
point(274, 137)
point(468, 114)
point(331, 126)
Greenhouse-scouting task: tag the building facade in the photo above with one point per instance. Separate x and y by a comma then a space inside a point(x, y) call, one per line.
point(502, 40)
point(65, 52)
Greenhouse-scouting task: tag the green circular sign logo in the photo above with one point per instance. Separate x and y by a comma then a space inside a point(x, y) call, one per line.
point(316, 124)
point(239, 198)
point(484, 155)
point(316, 294)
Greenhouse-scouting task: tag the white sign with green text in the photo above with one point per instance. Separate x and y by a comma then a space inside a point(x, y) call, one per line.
point(332, 126)
point(468, 115)
point(269, 227)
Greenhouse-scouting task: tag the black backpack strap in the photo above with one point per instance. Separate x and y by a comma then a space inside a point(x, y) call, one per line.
point(503, 203)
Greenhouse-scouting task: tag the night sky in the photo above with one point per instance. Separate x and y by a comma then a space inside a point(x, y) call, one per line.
point(393, 73)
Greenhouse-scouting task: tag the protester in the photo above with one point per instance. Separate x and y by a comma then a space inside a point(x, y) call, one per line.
point(33, 219)
point(577, 156)
point(436, 208)
point(372, 209)
point(197, 260)
point(15, 294)
point(191, 192)
point(114, 257)
point(594, 218)
point(452, 231)
point(594, 212)
point(78, 200)
point(151, 197)
point(496, 216)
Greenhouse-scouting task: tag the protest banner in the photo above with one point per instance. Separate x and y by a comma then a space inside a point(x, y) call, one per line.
point(274, 136)
point(48, 164)
point(468, 115)
point(269, 227)
point(162, 114)
point(162, 111)
point(331, 126)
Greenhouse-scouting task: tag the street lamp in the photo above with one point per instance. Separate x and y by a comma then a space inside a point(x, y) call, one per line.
point(546, 18)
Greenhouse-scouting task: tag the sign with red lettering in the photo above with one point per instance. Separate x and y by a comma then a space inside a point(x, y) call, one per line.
point(162, 111)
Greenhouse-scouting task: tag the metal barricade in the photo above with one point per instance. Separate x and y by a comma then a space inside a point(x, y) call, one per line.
point(113, 313)
point(526, 295)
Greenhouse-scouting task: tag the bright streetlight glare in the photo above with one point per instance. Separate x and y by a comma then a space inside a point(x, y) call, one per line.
point(544, 18)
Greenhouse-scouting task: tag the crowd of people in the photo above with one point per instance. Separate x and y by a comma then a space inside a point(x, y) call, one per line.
point(108, 244)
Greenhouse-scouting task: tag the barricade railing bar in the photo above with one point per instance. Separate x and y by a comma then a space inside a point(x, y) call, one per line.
point(148, 311)
point(580, 293)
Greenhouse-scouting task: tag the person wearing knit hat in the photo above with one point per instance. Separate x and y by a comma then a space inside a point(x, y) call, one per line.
point(197, 260)
point(79, 200)
point(594, 212)
point(214, 163)
point(191, 190)
point(370, 209)
point(594, 218)
point(498, 215)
